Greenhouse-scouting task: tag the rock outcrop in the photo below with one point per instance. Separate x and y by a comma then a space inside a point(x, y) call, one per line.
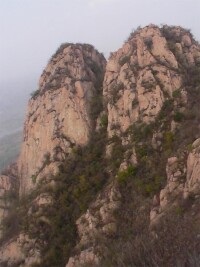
point(182, 191)
point(145, 72)
point(98, 223)
point(141, 80)
point(140, 146)
point(19, 251)
point(58, 116)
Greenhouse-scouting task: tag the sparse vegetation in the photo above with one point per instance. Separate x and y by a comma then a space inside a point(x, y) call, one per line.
point(87, 170)
point(115, 92)
point(176, 244)
point(77, 184)
point(35, 93)
point(148, 42)
point(104, 120)
point(178, 116)
point(176, 93)
point(124, 59)
point(123, 176)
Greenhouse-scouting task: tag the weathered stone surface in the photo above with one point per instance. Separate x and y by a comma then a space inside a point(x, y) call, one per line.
point(193, 169)
point(140, 78)
point(143, 75)
point(87, 256)
point(20, 251)
point(58, 116)
point(183, 181)
point(96, 224)
point(11, 253)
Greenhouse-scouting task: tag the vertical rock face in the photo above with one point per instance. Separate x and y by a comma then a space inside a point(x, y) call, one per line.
point(99, 223)
point(182, 190)
point(151, 93)
point(58, 116)
point(145, 72)
point(141, 79)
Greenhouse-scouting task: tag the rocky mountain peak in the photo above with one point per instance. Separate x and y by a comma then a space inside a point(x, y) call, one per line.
point(145, 72)
point(72, 63)
point(111, 153)
point(62, 112)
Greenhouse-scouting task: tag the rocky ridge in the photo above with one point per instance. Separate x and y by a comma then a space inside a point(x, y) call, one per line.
point(123, 187)
point(145, 83)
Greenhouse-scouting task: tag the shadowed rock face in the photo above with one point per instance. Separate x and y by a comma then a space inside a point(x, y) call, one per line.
point(58, 116)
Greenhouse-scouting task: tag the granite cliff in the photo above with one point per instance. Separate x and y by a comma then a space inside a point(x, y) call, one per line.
point(58, 112)
point(108, 173)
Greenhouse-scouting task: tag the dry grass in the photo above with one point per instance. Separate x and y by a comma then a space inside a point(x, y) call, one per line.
point(174, 244)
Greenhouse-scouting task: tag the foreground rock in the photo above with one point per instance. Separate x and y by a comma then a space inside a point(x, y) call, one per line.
point(95, 226)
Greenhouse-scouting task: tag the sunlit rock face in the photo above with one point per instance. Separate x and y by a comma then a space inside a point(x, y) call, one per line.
point(58, 116)
point(144, 73)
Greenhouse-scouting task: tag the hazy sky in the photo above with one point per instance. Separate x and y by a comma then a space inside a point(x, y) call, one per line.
point(32, 30)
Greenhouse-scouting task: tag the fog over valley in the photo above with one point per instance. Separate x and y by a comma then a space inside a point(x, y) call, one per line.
point(13, 101)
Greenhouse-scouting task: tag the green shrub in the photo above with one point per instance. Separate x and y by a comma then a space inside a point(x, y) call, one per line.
point(189, 147)
point(123, 176)
point(166, 109)
point(168, 140)
point(104, 120)
point(76, 185)
point(35, 93)
point(117, 154)
point(176, 93)
point(141, 132)
point(148, 42)
point(114, 92)
point(148, 188)
point(124, 59)
point(178, 116)
point(179, 210)
point(33, 178)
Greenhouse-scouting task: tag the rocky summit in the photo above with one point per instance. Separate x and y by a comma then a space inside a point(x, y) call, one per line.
point(109, 168)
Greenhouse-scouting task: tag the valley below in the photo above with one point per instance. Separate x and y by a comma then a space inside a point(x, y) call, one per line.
point(13, 102)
